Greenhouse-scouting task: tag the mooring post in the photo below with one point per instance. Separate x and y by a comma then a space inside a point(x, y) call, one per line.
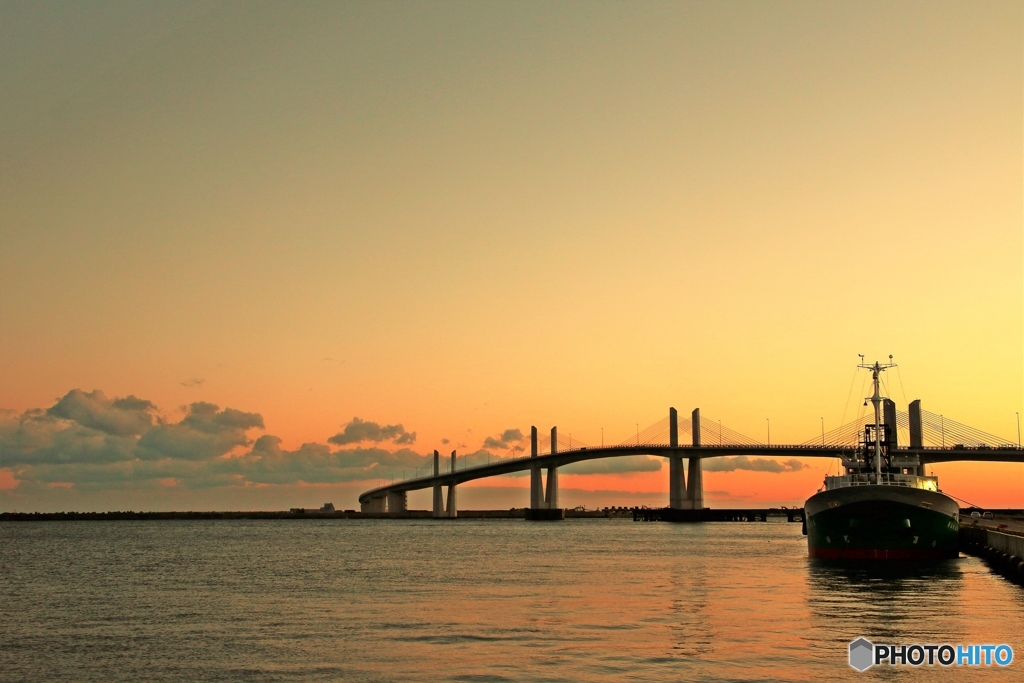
point(551, 497)
point(452, 510)
point(438, 500)
point(536, 489)
point(695, 478)
point(676, 475)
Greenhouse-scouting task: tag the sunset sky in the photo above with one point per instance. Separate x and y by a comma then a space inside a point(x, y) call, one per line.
point(258, 256)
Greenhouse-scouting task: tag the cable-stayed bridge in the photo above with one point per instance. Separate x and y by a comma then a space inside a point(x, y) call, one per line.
point(918, 438)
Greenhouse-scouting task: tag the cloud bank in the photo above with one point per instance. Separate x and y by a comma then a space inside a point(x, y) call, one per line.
point(93, 442)
point(358, 430)
point(507, 439)
point(742, 462)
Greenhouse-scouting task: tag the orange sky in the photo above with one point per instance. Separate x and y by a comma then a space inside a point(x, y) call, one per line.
point(465, 218)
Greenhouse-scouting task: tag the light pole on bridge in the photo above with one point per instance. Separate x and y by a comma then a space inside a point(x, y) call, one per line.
point(768, 420)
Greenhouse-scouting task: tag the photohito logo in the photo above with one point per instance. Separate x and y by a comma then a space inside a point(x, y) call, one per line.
point(864, 654)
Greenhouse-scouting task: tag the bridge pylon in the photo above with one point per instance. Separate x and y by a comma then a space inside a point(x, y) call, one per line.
point(676, 474)
point(451, 511)
point(438, 499)
point(543, 503)
point(551, 494)
point(916, 435)
point(536, 485)
point(695, 476)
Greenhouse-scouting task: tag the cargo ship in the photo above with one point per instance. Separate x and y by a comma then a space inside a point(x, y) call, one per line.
point(883, 507)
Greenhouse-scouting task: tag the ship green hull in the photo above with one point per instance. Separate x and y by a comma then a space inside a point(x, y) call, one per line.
point(882, 523)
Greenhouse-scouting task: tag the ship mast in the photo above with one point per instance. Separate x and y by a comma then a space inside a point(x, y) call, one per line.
point(876, 399)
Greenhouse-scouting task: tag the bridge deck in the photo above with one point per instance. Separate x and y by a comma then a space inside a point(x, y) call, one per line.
point(927, 455)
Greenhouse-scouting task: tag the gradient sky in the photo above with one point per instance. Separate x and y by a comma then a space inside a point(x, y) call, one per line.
point(467, 218)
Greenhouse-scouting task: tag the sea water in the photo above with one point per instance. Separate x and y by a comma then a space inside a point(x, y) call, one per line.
point(488, 600)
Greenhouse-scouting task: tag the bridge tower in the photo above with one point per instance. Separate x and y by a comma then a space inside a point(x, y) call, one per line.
point(536, 487)
point(695, 488)
point(452, 510)
point(916, 435)
point(676, 474)
point(551, 495)
point(438, 499)
point(889, 417)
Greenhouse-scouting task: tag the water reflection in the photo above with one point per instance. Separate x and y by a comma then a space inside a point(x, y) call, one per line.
point(882, 579)
point(885, 601)
point(690, 625)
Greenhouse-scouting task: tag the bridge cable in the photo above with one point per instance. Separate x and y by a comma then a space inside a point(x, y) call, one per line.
point(848, 394)
point(900, 376)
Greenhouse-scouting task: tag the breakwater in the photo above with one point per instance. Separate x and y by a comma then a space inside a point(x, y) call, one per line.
point(1000, 544)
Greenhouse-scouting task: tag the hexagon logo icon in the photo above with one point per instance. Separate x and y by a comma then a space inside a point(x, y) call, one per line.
point(862, 654)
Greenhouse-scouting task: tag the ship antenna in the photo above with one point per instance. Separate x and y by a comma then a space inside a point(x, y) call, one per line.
point(876, 400)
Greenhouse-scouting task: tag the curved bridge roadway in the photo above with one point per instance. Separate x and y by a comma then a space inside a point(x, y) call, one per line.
point(567, 457)
point(373, 500)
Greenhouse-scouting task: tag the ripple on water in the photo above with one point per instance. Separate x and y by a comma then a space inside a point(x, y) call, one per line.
point(601, 600)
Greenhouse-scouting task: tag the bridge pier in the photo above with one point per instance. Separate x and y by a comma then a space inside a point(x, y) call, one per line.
point(438, 499)
point(397, 501)
point(695, 476)
point(375, 504)
point(451, 510)
point(676, 474)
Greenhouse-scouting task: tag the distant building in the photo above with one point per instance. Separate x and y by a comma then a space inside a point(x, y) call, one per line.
point(328, 507)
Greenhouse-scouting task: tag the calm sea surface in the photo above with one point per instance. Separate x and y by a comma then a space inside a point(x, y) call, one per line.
point(579, 600)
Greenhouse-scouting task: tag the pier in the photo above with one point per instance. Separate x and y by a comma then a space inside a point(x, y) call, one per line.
point(717, 515)
point(998, 539)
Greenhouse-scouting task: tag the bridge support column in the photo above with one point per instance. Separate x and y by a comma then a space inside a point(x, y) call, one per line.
point(375, 504)
point(551, 495)
point(438, 499)
point(536, 487)
point(397, 501)
point(916, 435)
point(889, 412)
point(451, 511)
point(676, 475)
point(695, 476)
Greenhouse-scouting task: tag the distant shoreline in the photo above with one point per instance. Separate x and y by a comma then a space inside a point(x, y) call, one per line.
point(313, 513)
point(516, 513)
